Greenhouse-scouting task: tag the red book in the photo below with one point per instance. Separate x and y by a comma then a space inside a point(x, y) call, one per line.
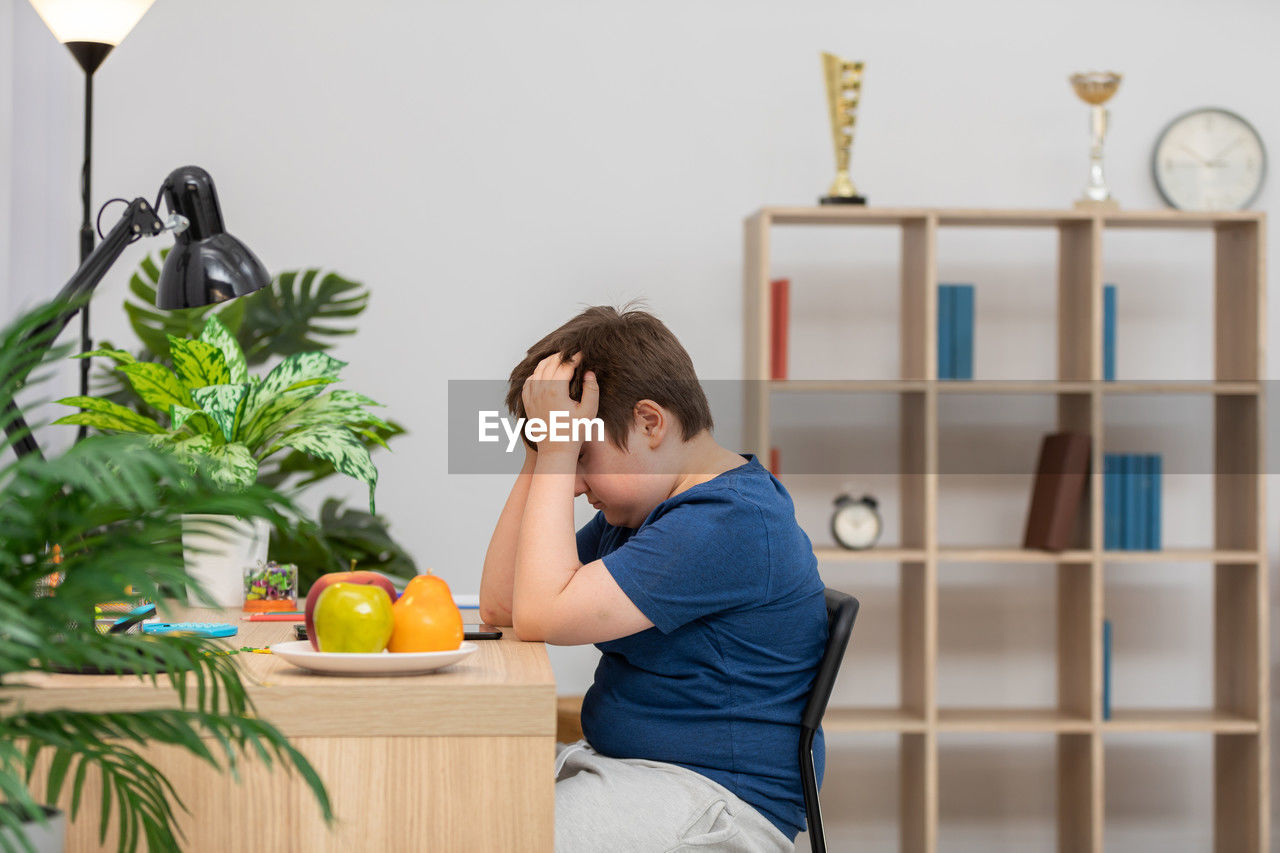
point(779, 318)
point(775, 462)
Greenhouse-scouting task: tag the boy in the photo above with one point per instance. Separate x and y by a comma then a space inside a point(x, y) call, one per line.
point(694, 581)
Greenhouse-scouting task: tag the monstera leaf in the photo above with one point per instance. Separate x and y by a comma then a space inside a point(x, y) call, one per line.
point(300, 311)
point(342, 535)
point(297, 313)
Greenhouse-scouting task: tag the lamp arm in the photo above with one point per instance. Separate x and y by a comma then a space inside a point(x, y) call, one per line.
point(139, 220)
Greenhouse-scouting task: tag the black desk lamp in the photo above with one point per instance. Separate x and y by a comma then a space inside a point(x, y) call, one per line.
point(206, 265)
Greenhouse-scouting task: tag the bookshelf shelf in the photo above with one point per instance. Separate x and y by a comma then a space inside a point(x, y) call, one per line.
point(844, 386)
point(832, 554)
point(1008, 386)
point(1011, 555)
point(1182, 555)
point(1223, 388)
point(872, 720)
point(1178, 720)
point(1239, 717)
point(1010, 720)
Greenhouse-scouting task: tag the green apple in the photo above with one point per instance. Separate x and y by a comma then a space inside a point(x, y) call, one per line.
point(353, 617)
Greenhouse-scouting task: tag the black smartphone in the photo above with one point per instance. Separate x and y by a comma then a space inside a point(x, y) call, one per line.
point(469, 632)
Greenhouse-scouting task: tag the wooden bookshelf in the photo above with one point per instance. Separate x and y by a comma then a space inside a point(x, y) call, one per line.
point(1238, 720)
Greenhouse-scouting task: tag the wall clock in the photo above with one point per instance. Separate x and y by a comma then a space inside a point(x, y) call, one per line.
point(1209, 159)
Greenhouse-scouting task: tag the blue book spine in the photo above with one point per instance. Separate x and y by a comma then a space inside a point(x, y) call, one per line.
point(946, 354)
point(1122, 499)
point(1131, 529)
point(963, 340)
point(1109, 333)
point(1110, 510)
point(1157, 476)
point(1106, 669)
point(1119, 498)
point(1144, 502)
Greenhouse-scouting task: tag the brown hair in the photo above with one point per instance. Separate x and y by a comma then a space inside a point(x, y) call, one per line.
point(634, 357)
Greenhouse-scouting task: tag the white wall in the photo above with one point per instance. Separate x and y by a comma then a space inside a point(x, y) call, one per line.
point(489, 167)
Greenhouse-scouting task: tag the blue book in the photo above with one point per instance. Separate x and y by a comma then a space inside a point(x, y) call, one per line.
point(1126, 472)
point(1122, 500)
point(1144, 501)
point(963, 340)
point(946, 331)
point(1106, 669)
point(1110, 501)
point(1109, 332)
point(1132, 532)
point(1139, 501)
point(1157, 475)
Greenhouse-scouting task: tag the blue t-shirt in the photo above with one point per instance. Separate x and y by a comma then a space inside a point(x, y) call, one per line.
point(718, 685)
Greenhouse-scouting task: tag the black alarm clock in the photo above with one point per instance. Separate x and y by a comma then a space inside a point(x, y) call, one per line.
point(856, 523)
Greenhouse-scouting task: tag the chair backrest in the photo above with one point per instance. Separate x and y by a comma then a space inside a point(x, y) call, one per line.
point(842, 609)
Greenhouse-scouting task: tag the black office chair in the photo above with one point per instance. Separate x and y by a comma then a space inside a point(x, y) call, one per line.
point(841, 611)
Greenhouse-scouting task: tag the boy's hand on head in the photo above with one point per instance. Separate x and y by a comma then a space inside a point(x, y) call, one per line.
point(547, 390)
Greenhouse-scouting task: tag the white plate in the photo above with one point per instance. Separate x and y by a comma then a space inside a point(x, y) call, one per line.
point(299, 653)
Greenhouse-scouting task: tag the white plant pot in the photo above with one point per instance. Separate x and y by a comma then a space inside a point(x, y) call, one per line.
point(217, 556)
point(50, 838)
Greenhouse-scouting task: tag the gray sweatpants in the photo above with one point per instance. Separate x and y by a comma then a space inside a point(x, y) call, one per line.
point(636, 806)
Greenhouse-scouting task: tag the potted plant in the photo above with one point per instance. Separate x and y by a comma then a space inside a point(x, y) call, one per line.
point(110, 504)
point(300, 311)
point(209, 407)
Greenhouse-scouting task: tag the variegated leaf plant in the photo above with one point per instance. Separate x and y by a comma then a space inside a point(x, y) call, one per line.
point(208, 404)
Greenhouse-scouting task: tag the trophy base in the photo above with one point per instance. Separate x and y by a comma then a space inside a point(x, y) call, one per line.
point(843, 199)
point(1095, 204)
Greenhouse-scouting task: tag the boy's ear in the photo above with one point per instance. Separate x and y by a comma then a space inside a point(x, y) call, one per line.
point(652, 421)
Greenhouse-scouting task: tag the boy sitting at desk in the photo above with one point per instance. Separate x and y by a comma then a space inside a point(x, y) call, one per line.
point(693, 580)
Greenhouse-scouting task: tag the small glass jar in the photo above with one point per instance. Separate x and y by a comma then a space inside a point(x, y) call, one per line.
point(270, 587)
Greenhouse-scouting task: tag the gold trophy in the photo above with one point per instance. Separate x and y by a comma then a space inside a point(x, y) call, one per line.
point(1096, 88)
point(844, 86)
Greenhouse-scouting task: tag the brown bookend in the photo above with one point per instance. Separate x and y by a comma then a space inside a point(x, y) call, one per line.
point(1061, 474)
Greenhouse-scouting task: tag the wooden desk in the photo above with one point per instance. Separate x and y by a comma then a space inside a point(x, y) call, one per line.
point(460, 759)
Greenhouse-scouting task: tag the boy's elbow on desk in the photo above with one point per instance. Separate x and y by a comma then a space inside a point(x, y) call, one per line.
point(539, 629)
point(527, 631)
point(491, 614)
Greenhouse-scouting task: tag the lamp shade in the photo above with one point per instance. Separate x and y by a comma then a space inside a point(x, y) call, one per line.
point(206, 264)
point(99, 21)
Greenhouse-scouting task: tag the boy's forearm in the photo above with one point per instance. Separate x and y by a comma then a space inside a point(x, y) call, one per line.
point(498, 577)
point(546, 549)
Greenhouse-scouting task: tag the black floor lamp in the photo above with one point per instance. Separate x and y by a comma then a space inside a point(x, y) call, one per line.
point(90, 29)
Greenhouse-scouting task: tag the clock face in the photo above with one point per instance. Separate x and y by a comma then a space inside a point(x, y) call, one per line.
point(1209, 159)
point(855, 525)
